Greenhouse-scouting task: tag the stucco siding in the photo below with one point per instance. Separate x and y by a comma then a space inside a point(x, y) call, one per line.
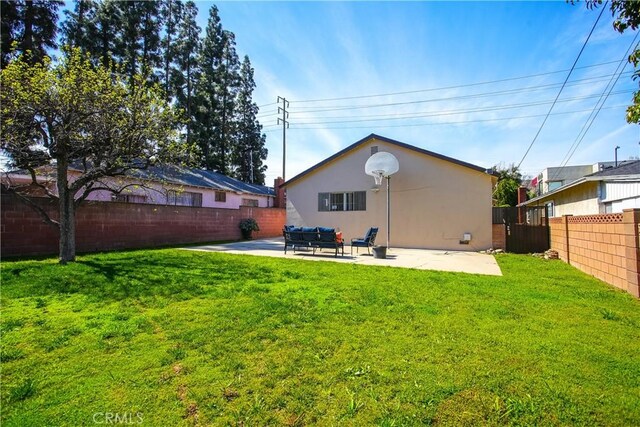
point(579, 200)
point(433, 201)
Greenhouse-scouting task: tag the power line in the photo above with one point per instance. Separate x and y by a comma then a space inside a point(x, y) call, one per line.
point(449, 87)
point(594, 113)
point(565, 82)
point(409, 116)
point(449, 98)
point(525, 89)
point(294, 127)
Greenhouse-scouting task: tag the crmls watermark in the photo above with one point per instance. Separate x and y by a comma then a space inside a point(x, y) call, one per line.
point(126, 418)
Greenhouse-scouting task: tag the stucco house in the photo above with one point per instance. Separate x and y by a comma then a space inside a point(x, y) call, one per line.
point(608, 191)
point(166, 185)
point(435, 199)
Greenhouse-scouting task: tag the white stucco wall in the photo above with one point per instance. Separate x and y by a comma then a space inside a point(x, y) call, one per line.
point(433, 201)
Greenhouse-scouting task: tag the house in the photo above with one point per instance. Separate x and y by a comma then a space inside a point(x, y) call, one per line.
point(435, 200)
point(166, 185)
point(553, 178)
point(608, 191)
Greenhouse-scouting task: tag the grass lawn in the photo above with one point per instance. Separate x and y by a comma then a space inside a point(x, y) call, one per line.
point(172, 337)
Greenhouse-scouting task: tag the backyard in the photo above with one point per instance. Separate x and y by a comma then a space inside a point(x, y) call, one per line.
point(174, 337)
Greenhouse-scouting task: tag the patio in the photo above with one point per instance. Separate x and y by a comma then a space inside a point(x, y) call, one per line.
point(421, 259)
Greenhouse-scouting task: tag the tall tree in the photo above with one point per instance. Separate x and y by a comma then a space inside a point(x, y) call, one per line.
point(138, 38)
point(108, 26)
point(32, 24)
point(185, 80)
point(210, 59)
point(9, 26)
point(250, 151)
point(228, 87)
point(73, 113)
point(171, 18)
point(79, 28)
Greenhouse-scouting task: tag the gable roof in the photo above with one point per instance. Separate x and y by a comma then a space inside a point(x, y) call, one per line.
point(629, 171)
point(393, 142)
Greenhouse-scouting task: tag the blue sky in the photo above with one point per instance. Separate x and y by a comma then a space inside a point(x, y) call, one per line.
point(442, 52)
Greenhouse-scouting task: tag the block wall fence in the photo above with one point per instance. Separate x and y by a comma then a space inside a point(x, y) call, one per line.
point(104, 226)
point(606, 246)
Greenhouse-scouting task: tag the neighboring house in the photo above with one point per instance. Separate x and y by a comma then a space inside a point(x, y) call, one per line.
point(608, 191)
point(555, 177)
point(167, 185)
point(435, 200)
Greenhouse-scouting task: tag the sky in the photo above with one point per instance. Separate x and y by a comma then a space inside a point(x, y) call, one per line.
point(469, 80)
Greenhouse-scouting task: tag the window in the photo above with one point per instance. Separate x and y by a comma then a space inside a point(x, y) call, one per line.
point(347, 201)
point(221, 196)
point(184, 198)
point(130, 198)
point(250, 202)
point(554, 185)
point(374, 149)
point(551, 209)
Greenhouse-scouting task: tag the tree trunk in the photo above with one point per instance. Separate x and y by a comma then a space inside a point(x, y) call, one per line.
point(67, 215)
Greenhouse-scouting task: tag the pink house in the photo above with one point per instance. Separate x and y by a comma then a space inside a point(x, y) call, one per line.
point(166, 185)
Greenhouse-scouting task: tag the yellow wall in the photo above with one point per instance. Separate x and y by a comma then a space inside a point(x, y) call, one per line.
point(579, 200)
point(433, 201)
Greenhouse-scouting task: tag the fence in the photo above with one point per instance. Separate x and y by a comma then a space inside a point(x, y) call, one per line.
point(521, 229)
point(605, 246)
point(110, 226)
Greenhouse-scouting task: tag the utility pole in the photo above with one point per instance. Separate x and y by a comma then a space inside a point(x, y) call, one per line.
point(285, 125)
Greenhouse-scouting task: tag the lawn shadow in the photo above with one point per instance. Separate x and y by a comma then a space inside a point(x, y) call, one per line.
point(118, 276)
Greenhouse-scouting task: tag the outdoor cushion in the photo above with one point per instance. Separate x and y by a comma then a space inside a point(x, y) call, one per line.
point(309, 234)
point(326, 234)
point(295, 233)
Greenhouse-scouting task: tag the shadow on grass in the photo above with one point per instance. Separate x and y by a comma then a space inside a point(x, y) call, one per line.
point(117, 276)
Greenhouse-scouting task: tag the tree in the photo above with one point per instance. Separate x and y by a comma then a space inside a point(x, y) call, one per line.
point(627, 16)
point(32, 25)
point(171, 13)
point(9, 24)
point(185, 79)
point(209, 59)
point(76, 114)
point(79, 28)
point(506, 192)
point(250, 151)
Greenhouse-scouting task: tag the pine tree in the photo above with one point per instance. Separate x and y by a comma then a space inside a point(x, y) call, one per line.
point(79, 28)
point(185, 80)
point(250, 151)
point(172, 18)
point(32, 24)
point(108, 26)
point(227, 93)
point(207, 118)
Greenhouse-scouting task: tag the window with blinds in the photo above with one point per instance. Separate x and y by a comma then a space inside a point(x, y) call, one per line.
point(184, 198)
point(345, 201)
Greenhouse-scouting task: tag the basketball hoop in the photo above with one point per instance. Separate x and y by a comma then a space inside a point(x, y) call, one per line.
point(377, 176)
point(383, 165)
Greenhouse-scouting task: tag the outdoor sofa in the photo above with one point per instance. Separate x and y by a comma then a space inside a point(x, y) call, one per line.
point(312, 238)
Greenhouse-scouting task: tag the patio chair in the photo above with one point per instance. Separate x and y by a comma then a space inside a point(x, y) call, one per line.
point(366, 242)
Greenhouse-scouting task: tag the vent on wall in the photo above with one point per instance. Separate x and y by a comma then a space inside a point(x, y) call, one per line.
point(374, 149)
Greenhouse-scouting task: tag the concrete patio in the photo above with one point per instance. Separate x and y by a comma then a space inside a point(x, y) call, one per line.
point(421, 259)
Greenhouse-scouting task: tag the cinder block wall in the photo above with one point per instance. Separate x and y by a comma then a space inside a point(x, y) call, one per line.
point(605, 246)
point(104, 226)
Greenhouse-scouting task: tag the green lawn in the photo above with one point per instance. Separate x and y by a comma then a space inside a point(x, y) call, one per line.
point(171, 337)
